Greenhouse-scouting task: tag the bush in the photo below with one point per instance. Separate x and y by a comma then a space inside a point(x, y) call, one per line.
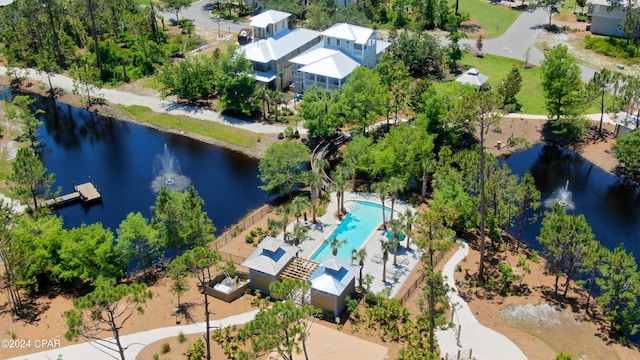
point(249, 239)
point(155, 357)
point(280, 136)
point(581, 18)
point(289, 132)
point(619, 48)
point(165, 348)
point(181, 337)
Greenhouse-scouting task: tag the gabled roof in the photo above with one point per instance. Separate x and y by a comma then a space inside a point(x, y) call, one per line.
point(381, 46)
point(314, 54)
point(265, 18)
point(271, 256)
point(620, 3)
point(355, 33)
point(277, 47)
point(333, 275)
point(333, 64)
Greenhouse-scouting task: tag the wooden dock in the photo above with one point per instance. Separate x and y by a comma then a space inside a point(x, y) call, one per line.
point(86, 193)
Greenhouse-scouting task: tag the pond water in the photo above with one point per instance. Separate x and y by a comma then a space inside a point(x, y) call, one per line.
point(610, 205)
point(119, 157)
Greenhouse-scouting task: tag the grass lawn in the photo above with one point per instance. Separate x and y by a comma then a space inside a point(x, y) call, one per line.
point(530, 97)
point(212, 129)
point(494, 19)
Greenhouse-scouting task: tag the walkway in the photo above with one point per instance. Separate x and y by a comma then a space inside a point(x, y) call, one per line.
point(136, 342)
point(485, 343)
point(159, 105)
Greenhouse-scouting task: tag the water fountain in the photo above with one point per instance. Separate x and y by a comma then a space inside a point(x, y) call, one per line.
point(167, 171)
point(561, 196)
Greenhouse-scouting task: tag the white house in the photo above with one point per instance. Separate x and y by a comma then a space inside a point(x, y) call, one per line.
point(343, 48)
point(260, 4)
point(607, 19)
point(276, 44)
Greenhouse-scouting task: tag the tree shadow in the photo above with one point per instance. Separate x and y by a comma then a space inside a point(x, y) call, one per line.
point(470, 28)
point(183, 313)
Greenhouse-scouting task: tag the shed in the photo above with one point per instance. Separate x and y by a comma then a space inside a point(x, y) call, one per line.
point(268, 261)
point(331, 283)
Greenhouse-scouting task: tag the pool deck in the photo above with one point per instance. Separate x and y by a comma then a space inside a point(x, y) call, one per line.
point(396, 275)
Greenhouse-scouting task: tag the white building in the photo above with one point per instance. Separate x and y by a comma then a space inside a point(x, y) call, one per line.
point(329, 64)
point(607, 19)
point(274, 46)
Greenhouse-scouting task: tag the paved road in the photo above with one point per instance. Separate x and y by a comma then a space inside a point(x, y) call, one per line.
point(200, 14)
point(520, 38)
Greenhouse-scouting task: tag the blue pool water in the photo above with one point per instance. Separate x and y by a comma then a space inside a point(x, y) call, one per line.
point(355, 228)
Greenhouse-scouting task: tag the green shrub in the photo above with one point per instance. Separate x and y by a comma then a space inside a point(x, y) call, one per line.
point(165, 348)
point(581, 18)
point(289, 132)
point(249, 239)
point(196, 350)
point(181, 337)
point(610, 46)
point(155, 357)
point(280, 136)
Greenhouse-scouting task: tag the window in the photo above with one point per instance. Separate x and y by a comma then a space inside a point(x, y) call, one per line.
point(328, 41)
point(338, 43)
point(357, 46)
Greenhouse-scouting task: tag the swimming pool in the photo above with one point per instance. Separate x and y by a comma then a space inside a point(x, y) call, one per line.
point(363, 218)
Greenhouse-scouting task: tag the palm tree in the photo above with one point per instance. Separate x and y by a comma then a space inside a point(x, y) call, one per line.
point(315, 178)
point(385, 246)
point(396, 228)
point(382, 189)
point(298, 205)
point(335, 244)
point(273, 225)
point(408, 218)
point(286, 212)
point(396, 185)
point(262, 93)
point(359, 256)
point(299, 233)
point(340, 178)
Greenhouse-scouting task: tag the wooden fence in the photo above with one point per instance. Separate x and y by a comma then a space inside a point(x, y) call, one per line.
point(234, 231)
point(237, 259)
point(416, 284)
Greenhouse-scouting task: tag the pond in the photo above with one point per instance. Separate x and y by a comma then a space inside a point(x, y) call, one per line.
point(119, 157)
point(610, 205)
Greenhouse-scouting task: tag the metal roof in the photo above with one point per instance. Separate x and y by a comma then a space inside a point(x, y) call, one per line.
point(268, 17)
point(271, 256)
point(333, 275)
point(336, 65)
point(277, 47)
point(355, 33)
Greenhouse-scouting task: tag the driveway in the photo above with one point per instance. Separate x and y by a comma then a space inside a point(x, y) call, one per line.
point(200, 14)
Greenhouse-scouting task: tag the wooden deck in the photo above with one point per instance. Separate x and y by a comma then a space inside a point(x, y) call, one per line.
point(87, 193)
